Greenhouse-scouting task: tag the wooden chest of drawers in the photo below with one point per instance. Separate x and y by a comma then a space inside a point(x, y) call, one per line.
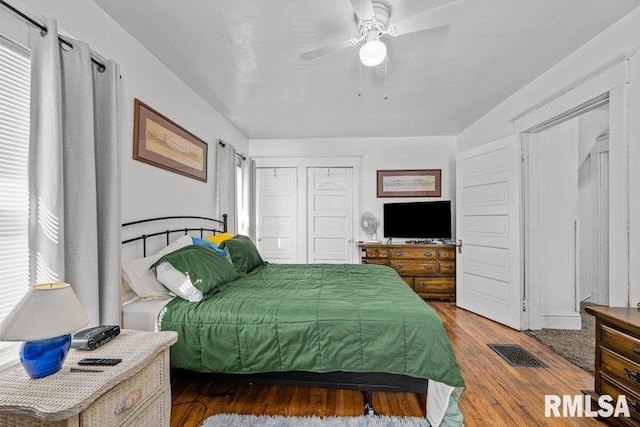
point(430, 270)
point(617, 369)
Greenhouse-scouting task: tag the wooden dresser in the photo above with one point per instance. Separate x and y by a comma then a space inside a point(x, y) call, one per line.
point(430, 270)
point(617, 370)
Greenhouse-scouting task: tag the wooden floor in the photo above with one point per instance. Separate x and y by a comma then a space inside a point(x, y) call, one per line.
point(496, 393)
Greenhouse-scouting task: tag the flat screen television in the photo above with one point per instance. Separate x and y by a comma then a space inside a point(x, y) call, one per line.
point(422, 220)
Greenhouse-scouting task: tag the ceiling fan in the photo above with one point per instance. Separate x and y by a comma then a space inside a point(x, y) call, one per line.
point(373, 20)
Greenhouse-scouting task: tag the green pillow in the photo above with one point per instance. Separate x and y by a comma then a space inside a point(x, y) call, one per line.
point(243, 253)
point(205, 267)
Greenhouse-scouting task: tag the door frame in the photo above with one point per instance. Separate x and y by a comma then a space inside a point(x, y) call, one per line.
point(607, 84)
point(302, 163)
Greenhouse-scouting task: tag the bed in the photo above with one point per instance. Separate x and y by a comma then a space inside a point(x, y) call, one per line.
point(332, 325)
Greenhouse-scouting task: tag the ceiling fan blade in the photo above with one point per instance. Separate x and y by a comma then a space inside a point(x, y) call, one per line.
point(380, 69)
point(433, 18)
point(363, 8)
point(333, 47)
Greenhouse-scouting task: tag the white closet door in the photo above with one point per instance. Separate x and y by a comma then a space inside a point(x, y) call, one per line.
point(330, 215)
point(277, 214)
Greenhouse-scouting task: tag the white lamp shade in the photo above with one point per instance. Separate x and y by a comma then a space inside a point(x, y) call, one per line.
point(372, 53)
point(47, 310)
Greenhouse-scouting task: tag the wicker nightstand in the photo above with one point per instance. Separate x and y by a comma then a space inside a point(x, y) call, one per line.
point(135, 392)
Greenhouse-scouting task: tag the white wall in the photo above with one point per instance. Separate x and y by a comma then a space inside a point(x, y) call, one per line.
point(433, 152)
point(147, 190)
point(622, 37)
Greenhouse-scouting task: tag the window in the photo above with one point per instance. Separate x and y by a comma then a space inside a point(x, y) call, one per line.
point(14, 189)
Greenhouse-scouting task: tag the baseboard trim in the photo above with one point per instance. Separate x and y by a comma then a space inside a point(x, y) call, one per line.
point(561, 321)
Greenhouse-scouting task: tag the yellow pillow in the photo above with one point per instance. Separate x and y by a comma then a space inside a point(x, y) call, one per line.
point(219, 238)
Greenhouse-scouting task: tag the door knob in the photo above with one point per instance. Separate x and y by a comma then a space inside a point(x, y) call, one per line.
point(459, 245)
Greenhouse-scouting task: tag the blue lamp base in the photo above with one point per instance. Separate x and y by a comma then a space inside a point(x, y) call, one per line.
point(44, 357)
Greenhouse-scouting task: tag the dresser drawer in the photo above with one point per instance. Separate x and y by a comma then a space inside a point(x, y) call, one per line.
point(406, 267)
point(446, 254)
point(612, 388)
point(121, 402)
point(622, 343)
point(382, 253)
point(155, 414)
point(427, 286)
point(621, 369)
point(408, 280)
point(414, 253)
point(447, 267)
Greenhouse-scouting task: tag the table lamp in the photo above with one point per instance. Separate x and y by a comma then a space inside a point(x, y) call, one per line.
point(44, 319)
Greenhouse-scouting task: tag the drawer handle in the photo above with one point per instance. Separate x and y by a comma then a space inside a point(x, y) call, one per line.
point(428, 254)
point(449, 267)
point(633, 406)
point(429, 267)
point(399, 254)
point(636, 350)
point(632, 375)
point(128, 401)
point(398, 266)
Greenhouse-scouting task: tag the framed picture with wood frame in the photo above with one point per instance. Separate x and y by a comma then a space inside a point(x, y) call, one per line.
point(409, 183)
point(161, 142)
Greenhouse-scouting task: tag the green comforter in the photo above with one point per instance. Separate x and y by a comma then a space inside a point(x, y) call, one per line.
point(317, 318)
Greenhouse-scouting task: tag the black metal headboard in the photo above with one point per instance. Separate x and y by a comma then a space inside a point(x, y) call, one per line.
point(167, 233)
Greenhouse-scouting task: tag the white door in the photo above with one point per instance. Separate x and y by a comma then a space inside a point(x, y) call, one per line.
point(277, 214)
point(330, 215)
point(488, 191)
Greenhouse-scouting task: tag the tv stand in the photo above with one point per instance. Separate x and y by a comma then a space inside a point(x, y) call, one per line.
point(429, 269)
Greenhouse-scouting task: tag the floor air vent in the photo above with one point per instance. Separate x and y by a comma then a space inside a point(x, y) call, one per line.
point(516, 355)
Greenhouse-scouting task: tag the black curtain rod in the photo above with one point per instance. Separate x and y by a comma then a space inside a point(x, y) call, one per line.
point(224, 144)
point(32, 21)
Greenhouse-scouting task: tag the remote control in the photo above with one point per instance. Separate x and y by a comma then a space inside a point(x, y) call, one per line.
point(97, 361)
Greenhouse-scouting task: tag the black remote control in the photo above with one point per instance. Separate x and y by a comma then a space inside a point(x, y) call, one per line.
point(97, 361)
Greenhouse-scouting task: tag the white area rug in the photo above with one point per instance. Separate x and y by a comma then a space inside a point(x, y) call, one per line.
point(234, 420)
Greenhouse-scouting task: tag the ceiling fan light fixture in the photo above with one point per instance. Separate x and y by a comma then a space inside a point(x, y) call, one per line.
point(372, 53)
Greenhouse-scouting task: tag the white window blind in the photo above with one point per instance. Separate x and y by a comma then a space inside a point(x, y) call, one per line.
point(14, 189)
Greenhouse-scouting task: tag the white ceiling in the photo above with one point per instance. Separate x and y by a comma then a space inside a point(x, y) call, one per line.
point(241, 56)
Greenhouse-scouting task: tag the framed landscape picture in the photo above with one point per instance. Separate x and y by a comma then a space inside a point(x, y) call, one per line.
point(409, 183)
point(159, 141)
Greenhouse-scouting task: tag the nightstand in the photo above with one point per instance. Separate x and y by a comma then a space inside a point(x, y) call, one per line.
point(137, 391)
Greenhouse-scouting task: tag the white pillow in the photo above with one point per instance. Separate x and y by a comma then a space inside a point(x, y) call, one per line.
point(178, 282)
point(143, 282)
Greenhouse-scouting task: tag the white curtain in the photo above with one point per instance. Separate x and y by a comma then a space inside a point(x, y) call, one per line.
point(74, 220)
point(226, 184)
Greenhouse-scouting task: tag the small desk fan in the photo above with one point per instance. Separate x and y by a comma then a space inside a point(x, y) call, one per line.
point(369, 224)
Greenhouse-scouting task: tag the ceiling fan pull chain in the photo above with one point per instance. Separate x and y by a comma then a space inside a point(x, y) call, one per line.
point(385, 79)
point(359, 78)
